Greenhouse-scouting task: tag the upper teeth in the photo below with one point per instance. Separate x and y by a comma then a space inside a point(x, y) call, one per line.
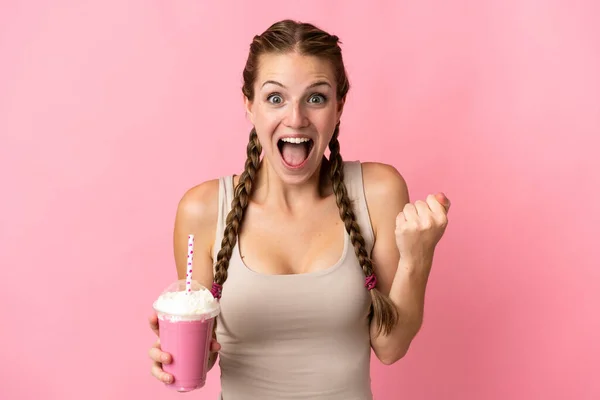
point(295, 140)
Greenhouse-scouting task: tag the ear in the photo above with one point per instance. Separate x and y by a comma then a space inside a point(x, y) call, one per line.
point(340, 108)
point(248, 104)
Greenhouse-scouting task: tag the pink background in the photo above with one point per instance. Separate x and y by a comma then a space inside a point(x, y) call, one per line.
point(110, 110)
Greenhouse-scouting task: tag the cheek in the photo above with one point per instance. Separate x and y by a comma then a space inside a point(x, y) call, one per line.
point(326, 122)
point(267, 118)
point(265, 123)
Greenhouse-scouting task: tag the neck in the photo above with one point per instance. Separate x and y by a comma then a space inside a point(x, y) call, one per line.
point(271, 191)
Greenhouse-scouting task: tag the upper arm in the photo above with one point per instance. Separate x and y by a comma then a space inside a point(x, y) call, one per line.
point(197, 214)
point(386, 193)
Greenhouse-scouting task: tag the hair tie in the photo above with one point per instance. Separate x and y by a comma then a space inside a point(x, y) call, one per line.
point(371, 281)
point(216, 290)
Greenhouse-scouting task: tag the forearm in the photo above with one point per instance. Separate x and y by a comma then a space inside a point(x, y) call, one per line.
point(408, 295)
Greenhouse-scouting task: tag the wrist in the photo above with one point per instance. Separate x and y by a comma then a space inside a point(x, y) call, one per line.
point(409, 282)
point(415, 265)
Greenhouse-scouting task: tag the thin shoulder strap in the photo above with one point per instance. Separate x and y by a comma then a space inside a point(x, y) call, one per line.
point(225, 198)
point(353, 178)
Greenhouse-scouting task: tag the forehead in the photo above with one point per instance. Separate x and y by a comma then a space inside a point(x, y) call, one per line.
point(293, 69)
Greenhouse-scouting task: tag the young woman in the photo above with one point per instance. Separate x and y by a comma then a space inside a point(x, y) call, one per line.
point(316, 261)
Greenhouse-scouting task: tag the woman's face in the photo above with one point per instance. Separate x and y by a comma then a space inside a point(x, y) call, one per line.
point(294, 111)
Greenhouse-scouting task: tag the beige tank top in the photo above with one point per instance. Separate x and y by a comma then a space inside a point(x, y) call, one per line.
point(302, 336)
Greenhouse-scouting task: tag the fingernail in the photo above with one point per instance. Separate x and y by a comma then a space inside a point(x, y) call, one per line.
point(165, 358)
point(167, 379)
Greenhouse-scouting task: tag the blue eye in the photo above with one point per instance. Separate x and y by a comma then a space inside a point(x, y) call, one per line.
point(318, 97)
point(275, 99)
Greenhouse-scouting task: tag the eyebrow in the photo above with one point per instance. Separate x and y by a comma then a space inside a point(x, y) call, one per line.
point(318, 83)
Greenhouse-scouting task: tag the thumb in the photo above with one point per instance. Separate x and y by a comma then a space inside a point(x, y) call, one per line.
point(443, 200)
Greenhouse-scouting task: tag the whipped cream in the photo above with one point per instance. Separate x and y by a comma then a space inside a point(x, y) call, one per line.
point(197, 304)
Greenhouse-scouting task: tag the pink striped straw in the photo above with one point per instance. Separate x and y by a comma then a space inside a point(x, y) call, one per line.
point(190, 258)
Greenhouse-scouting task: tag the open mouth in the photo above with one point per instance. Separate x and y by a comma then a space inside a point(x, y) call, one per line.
point(295, 151)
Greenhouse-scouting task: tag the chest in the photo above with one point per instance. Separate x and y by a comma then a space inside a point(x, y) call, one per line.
point(270, 243)
point(332, 303)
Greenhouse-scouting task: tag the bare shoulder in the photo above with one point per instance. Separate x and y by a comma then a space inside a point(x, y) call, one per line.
point(199, 203)
point(385, 187)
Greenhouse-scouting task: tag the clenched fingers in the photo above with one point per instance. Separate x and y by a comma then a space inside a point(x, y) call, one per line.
point(161, 375)
point(159, 356)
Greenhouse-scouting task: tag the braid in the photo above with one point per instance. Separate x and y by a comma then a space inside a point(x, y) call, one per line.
point(384, 311)
point(243, 190)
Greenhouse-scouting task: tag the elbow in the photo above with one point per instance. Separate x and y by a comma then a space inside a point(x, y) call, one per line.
point(388, 361)
point(394, 349)
point(393, 357)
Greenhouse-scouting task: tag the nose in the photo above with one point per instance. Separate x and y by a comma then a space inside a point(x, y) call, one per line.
point(295, 117)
